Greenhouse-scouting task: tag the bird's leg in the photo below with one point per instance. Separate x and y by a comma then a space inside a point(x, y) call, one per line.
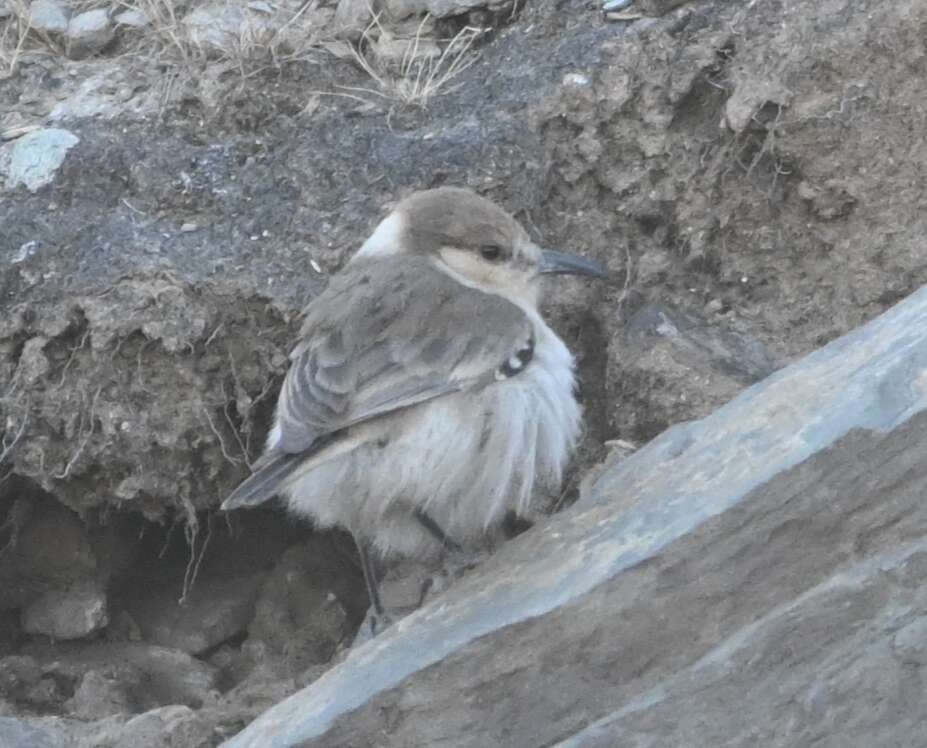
point(455, 562)
point(370, 579)
point(435, 529)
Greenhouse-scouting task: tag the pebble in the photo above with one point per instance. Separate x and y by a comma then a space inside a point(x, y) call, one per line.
point(48, 16)
point(88, 33)
point(74, 613)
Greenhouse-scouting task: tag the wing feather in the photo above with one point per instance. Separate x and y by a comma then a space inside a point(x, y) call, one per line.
point(388, 334)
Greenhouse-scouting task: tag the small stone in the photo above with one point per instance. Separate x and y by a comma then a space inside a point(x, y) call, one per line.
point(48, 16)
point(131, 17)
point(214, 611)
point(352, 18)
point(97, 697)
point(299, 614)
point(53, 549)
point(437, 8)
point(166, 726)
point(576, 80)
point(88, 33)
point(222, 26)
point(714, 306)
point(73, 613)
point(829, 200)
point(35, 157)
point(152, 675)
point(188, 228)
point(17, 675)
point(403, 52)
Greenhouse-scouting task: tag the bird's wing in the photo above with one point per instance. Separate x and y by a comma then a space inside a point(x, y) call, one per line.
point(388, 334)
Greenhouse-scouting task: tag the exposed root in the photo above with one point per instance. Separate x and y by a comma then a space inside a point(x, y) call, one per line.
point(67, 364)
point(83, 435)
point(14, 522)
point(9, 445)
point(192, 532)
point(212, 426)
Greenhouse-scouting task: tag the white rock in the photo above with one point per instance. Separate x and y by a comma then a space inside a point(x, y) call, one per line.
point(67, 614)
point(132, 17)
point(48, 16)
point(437, 8)
point(88, 33)
point(352, 17)
point(224, 27)
point(261, 7)
point(399, 52)
point(33, 159)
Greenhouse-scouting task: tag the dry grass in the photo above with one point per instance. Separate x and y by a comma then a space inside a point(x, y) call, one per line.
point(165, 33)
point(261, 41)
point(417, 78)
point(14, 37)
point(253, 47)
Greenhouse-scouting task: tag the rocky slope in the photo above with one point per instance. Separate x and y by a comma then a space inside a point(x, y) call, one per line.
point(752, 173)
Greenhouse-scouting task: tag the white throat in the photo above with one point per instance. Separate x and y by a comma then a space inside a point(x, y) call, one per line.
point(385, 239)
point(524, 295)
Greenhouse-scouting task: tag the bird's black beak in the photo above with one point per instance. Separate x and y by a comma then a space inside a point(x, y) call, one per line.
point(560, 263)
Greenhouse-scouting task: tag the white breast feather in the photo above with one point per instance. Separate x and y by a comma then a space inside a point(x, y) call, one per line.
point(466, 459)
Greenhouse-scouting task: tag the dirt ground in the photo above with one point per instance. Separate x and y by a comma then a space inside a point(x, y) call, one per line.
point(752, 173)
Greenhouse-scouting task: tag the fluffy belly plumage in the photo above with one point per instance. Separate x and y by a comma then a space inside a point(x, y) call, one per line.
point(465, 459)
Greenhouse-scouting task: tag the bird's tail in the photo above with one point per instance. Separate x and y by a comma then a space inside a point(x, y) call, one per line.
point(265, 483)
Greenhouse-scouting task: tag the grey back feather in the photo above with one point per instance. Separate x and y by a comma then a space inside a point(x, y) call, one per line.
point(387, 334)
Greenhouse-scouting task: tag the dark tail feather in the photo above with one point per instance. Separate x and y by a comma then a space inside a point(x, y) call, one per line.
point(264, 483)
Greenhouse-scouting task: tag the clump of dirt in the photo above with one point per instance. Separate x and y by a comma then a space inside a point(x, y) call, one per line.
point(148, 374)
point(740, 172)
point(751, 173)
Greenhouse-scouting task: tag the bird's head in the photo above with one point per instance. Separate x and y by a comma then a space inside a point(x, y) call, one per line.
point(473, 239)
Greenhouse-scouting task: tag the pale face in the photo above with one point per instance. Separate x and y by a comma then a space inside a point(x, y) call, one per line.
point(513, 272)
point(472, 239)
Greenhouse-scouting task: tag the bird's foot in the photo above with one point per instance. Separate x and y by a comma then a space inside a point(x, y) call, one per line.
point(454, 564)
point(374, 623)
point(461, 560)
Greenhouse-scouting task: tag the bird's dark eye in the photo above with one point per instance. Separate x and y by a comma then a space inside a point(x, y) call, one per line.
point(491, 252)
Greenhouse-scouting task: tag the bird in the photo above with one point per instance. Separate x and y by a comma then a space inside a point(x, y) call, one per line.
point(426, 398)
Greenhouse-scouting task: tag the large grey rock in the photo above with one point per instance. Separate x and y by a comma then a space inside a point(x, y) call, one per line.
point(33, 159)
point(767, 562)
